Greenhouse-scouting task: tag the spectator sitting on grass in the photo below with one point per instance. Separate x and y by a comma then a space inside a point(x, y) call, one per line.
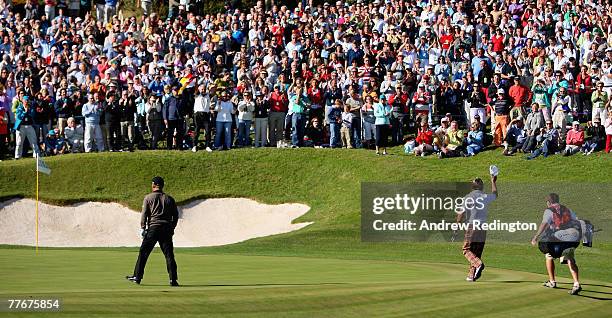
point(515, 137)
point(596, 137)
point(424, 139)
point(533, 125)
point(54, 145)
point(549, 141)
point(315, 133)
point(475, 139)
point(574, 139)
point(454, 148)
point(440, 136)
point(74, 136)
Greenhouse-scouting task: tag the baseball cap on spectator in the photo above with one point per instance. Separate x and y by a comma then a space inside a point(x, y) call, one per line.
point(51, 132)
point(444, 119)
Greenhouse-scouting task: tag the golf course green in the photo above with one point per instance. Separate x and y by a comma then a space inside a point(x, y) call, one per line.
point(89, 284)
point(322, 270)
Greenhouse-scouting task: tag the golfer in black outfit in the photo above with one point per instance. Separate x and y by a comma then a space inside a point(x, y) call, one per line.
point(159, 218)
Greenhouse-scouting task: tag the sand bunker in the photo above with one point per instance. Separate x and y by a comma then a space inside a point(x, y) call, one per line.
point(94, 224)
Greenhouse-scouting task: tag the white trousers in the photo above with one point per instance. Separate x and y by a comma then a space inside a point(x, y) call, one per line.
point(25, 131)
point(599, 113)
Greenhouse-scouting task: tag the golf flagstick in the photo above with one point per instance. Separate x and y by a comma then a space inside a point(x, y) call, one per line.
point(41, 166)
point(37, 172)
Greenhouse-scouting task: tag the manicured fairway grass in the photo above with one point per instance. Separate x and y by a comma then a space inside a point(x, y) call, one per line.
point(369, 279)
point(90, 284)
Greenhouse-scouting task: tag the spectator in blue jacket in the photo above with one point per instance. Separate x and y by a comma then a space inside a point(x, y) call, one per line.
point(382, 112)
point(515, 137)
point(92, 112)
point(475, 139)
point(24, 121)
point(173, 118)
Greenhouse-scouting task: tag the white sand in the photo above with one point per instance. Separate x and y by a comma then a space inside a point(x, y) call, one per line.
point(94, 224)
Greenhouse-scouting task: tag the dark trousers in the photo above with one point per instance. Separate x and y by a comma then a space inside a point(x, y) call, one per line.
point(202, 121)
point(3, 146)
point(397, 130)
point(382, 132)
point(583, 105)
point(516, 146)
point(530, 144)
point(163, 235)
point(172, 125)
point(548, 148)
point(115, 142)
point(298, 128)
point(356, 132)
point(156, 128)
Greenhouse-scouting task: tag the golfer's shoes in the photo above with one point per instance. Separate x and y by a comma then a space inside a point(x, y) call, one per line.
point(174, 283)
point(133, 279)
point(469, 279)
point(478, 271)
point(550, 284)
point(575, 290)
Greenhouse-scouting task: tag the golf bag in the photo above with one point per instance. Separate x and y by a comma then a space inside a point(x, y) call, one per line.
point(564, 233)
point(588, 229)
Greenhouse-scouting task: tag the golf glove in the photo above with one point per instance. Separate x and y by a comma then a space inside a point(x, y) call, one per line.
point(143, 233)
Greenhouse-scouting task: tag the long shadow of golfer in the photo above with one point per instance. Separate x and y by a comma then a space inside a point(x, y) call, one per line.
point(590, 291)
point(559, 287)
point(250, 285)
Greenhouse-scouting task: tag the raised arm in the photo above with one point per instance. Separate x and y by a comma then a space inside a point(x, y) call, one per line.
point(494, 186)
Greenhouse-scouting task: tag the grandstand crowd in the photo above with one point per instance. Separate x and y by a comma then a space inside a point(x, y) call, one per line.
point(440, 77)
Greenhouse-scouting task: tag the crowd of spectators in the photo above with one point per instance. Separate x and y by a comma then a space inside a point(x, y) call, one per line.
point(438, 76)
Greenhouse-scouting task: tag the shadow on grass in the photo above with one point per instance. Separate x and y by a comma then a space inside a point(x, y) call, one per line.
point(246, 285)
point(568, 289)
point(516, 281)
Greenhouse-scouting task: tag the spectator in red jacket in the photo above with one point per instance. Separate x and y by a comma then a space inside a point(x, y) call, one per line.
point(498, 41)
point(521, 98)
point(424, 140)
point(279, 104)
point(584, 89)
point(574, 140)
